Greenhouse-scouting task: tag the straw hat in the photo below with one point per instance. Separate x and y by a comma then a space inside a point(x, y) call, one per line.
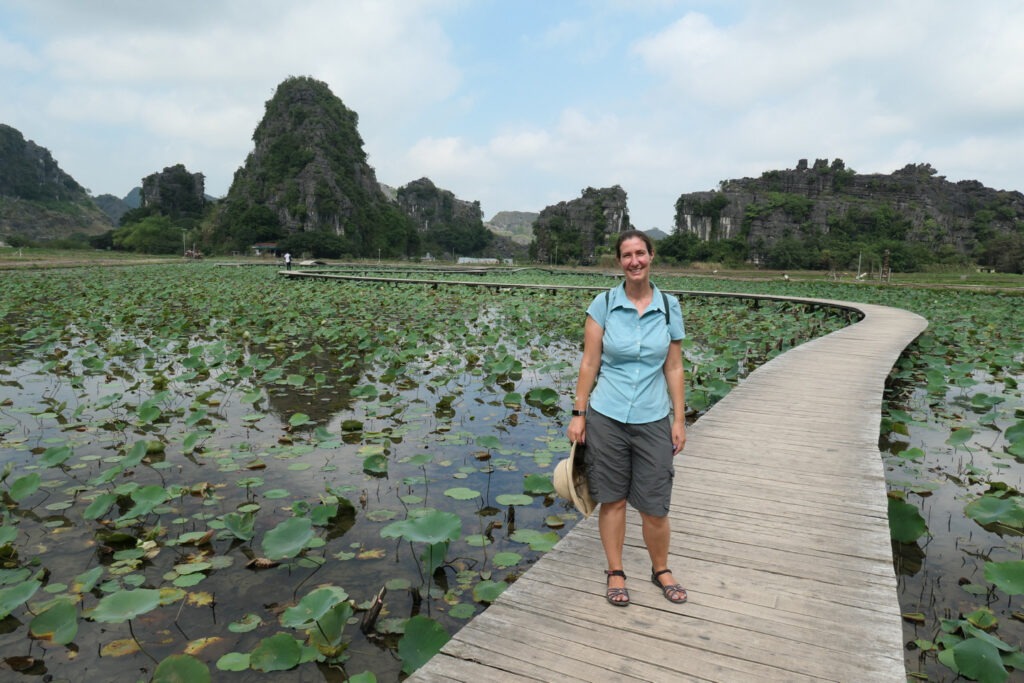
point(570, 481)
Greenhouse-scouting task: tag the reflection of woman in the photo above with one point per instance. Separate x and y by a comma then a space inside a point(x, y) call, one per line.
point(629, 410)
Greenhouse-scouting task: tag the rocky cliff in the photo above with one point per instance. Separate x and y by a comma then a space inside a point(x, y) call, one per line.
point(39, 201)
point(174, 192)
point(913, 205)
point(446, 224)
point(516, 226)
point(308, 180)
point(576, 231)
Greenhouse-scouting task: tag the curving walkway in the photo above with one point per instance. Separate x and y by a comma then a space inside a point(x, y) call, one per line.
point(780, 534)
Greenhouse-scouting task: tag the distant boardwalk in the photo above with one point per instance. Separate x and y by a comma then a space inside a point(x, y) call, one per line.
point(780, 534)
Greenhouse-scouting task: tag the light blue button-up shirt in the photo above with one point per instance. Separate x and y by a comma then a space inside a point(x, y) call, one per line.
point(631, 384)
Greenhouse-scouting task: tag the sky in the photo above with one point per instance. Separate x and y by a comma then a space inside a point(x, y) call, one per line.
point(523, 104)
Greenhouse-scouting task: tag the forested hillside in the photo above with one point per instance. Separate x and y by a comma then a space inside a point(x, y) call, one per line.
point(826, 216)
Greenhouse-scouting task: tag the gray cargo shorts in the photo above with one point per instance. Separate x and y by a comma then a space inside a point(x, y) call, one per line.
point(630, 461)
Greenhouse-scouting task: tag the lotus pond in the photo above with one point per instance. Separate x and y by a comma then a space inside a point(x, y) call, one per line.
point(217, 472)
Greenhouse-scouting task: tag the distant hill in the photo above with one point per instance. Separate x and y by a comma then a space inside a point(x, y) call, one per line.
point(576, 231)
point(307, 184)
point(39, 201)
point(828, 216)
point(516, 226)
point(115, 207)
point(445, 223)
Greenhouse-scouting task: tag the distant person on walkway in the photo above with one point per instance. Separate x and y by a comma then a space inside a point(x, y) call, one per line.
point(287, 261)
point(630, 412)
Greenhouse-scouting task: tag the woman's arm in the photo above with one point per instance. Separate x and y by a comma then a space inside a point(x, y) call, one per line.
point(674, 375)
point(589, 367)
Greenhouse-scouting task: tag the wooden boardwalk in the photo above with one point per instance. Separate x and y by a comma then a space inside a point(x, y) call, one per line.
point(780, 534)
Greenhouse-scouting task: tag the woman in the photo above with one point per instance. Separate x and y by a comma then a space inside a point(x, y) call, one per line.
point(632, 419)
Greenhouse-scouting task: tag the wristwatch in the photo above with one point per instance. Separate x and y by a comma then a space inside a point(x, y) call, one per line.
point(578, 413)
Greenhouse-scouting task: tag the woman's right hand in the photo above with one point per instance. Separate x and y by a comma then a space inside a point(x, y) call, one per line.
point(577, 431)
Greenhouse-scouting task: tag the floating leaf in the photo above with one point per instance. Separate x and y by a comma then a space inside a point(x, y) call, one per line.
point(247, 623)
point(462, 493)
point(507, 559)
point(55, 455)
point(488, 591)
point(979, 660)
point(434, 527)
point(298, 419)
point(313, 606)
point(279, 652)
point(538, 484)
point(992, 509)
point(906, 524)
point(423, 639)
point(960, 436)
point(513, 499)
point(23, 487)
point(100, 505)
point(234, 661)
point(181, 669)
point(543, 396)
point(124, 605)
point(1007, 576)
point(121, 647)
point(288, 538)
point(11, 598)
point(58, 623)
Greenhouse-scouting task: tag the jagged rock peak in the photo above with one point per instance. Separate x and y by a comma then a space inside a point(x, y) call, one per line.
point(575, 231)
point(308, 173)
point(29, 171)
point(174, 191)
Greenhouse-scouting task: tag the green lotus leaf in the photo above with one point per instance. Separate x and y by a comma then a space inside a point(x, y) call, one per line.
point(462, 493)
point(313, 606)
point(488, 591)
point(58, 623)
point(434, 527)
point(513, 499)
point(1007, 576)
point(55, 455)
point(14, 596)
point(538, 484)
point(23, 487)
point(181, 669)
point(234, 661)
point(126, 604)
point(288, 538)
point(240, 525)
point(423, 639)
point(279, 652)
point(906, 524)
point(992, 509)
point(979, 660)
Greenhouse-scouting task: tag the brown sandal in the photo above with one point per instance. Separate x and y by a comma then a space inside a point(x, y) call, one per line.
point(615, 595)
point(674, 592)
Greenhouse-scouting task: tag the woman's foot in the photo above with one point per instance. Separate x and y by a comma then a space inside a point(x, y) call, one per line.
point(672, 591)
point(617, 595)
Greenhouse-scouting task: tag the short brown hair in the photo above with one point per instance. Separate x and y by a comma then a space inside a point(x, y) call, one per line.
point(630, 234)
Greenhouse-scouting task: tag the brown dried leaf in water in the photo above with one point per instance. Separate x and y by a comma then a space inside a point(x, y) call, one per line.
point(261, 563)
point(119, 648)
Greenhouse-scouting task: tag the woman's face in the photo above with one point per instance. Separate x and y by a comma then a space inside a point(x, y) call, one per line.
point(635, 259)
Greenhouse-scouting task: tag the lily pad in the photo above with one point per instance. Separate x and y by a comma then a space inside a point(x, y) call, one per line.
point(288, 538)
point(181, 669)
point(126, 604)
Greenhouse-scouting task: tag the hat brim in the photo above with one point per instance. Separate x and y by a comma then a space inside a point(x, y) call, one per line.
point(578, 490)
